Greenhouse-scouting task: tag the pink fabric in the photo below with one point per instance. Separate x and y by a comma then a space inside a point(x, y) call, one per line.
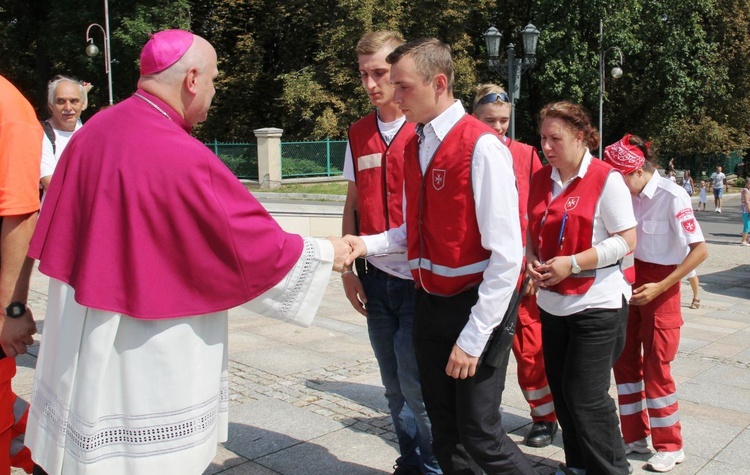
point(163, 50)
point(143, 219)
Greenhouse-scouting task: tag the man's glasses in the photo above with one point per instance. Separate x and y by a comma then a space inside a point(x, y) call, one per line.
point(493, 97)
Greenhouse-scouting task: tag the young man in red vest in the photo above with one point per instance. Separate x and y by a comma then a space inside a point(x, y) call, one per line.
point(384, 293)
point(463, 241)
point(492, 106)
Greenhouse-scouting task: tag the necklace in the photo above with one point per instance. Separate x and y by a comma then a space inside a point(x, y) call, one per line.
point(151, 103)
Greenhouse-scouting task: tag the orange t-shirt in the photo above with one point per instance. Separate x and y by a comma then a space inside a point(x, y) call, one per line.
point(20, 153)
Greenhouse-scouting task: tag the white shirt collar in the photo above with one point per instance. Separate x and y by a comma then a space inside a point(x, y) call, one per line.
point(587, 157)
point(650, 188)
point(442, 124)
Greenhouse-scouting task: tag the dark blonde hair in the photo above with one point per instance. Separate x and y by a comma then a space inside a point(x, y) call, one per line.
point(372, 42)
point(483, 89)
point(431, 57)
point(576, 119)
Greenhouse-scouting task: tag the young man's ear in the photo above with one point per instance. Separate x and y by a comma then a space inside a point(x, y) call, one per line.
point(440, 82)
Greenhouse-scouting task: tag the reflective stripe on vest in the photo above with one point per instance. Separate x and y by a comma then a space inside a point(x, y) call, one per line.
point(444, 271)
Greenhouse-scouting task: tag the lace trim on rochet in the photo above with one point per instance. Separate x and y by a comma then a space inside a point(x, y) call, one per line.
point(129, 435)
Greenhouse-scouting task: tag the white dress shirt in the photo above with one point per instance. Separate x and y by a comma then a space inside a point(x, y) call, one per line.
point(666, 224)
point(613, 214)
point(496, 203)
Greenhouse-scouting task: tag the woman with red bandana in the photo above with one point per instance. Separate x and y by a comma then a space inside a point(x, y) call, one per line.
point(666, 230)
point(581, 226)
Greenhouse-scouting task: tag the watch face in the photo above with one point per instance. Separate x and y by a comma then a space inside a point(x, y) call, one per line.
point(15, 310)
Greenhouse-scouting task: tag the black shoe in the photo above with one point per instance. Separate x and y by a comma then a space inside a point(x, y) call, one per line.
point(541, 434)
point(405, 470)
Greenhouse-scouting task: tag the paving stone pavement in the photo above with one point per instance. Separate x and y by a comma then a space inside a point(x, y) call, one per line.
point(309, 401)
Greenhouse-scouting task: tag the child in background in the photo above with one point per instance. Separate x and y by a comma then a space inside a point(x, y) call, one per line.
point(702, 197)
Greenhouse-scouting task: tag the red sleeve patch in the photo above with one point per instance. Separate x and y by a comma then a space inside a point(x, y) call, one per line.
point(689, 225)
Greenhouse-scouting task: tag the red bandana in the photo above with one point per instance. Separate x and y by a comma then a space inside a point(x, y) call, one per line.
point(623, 156)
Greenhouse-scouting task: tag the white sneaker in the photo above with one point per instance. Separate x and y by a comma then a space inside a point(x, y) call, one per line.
point(743, 243)
point(639, 447)
point(665, 461)
point(718, 210)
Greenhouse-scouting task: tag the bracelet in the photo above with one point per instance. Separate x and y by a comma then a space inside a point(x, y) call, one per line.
point(349, 271)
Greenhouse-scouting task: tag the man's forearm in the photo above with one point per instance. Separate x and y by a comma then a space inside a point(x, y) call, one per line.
point(15, 266)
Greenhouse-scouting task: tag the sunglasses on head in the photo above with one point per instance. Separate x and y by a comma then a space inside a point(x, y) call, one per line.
point(493, 97)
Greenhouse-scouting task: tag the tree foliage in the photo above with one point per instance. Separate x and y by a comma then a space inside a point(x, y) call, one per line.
point(292, 65)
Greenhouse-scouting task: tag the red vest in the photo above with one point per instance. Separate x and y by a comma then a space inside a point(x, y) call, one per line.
point(577, 205)
point(525, 163)
point(379, 174)
point(445, 250)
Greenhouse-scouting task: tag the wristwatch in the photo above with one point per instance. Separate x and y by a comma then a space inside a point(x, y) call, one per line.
point(15, 310)
point(574, 267)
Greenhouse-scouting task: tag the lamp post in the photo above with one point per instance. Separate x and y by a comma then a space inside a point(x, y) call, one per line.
point(616, 74)
point(514, 67)
point(92, 50)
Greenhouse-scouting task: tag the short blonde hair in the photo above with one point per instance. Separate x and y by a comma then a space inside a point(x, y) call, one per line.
point(484, 89)
point(372, 42)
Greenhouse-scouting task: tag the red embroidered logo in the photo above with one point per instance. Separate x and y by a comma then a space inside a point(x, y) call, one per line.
point(571, 203)
point(689, 225)
point(683, 213)
point(438, 179)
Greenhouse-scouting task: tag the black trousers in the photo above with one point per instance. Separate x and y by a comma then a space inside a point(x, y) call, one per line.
point(579, 352)
point(467, 430)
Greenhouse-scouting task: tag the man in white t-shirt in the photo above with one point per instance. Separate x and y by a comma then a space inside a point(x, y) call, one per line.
point(383, 289)
point(66, 99)
point(719, 180)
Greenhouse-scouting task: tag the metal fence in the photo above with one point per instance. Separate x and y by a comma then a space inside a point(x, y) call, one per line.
point(241, 158)
point(703, 165)
point(309, 159)
point(298, 159)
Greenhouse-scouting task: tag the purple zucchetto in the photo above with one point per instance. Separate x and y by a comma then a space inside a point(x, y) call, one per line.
point(164, 49)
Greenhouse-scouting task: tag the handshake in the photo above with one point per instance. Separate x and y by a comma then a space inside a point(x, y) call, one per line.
point(346, 249)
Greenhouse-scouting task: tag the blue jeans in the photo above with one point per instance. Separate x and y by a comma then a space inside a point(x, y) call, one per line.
point(390, 316)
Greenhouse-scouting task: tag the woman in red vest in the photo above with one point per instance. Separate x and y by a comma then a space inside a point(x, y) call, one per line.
point(581, 226)
point(670, 245)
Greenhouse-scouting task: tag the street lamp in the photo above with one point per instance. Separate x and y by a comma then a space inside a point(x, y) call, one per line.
point(616, 74)
point(514, 67)
point(92, 50)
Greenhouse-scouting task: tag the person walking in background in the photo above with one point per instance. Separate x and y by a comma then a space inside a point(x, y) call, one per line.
point(384, 293)
point(703, 196)
point(687, 182)
point(463, 244)
point(745, 210)
point(20, 155)
point(66, 99)
point(132, 370)
point(718, 181)
point(492, 106)
point(581, 227)
point(670, 245)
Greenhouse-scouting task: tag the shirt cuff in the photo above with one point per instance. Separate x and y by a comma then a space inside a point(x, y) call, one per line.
point(472, 341)
point(376, 244)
